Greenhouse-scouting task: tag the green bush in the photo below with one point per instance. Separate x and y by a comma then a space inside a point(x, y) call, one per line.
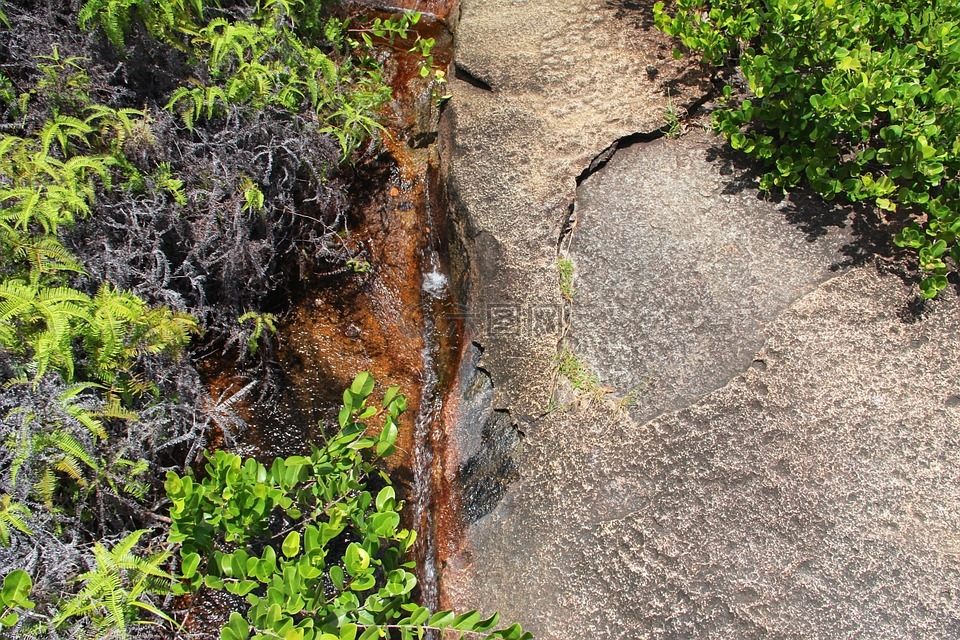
point(310, 542)
point(857, 99)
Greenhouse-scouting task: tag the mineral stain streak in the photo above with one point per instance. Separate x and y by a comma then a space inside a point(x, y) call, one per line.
point(398, 320)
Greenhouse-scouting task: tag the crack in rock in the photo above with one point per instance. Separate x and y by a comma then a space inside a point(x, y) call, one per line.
point(598, 162)
point(460, 72)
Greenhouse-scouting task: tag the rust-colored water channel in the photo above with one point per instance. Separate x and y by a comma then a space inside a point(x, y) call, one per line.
point(398, 320)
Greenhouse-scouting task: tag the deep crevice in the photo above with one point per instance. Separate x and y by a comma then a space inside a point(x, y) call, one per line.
point(601, 160)
point(462, 73)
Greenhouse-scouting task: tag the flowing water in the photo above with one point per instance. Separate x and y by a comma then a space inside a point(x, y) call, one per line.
point(399, 321)
point(436, 289)
point(433, 507)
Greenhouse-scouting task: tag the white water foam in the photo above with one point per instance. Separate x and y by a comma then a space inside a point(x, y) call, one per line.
point(435, 284)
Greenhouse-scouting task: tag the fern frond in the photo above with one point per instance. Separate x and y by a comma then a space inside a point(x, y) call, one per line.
point(51, 348)
point(166, 330)
point(70, 466)
point(16, 299)
point(291, 96)
point(87, 418)
point(9, 338)
point(20, 442)
point(62, 128)
point(113, 16)
point(133, 385)
point(146, 606)
point(75, 389)
point(88, 12)
point(134, 488)
point(163, 178)
point(65, 301)
point(22, 211)
point(45, 255)
point(46, 486)
point(189, 114)
point(64, 202)
point(81, 166)
point(12, 514)
point(69, 445)
point(113, 601)
point(258, 79)
point(211, 95)
point(10, 144)
point(100, 113)
point(141, 565)
point(125, 546)
point(217, 35)
point(113, 409)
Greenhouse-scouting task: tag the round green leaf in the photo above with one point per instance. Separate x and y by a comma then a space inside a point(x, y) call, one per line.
point(386, 499)
point(16, 588)
point(291, 544)
point(188, 568)
point(385, 524)
point(356, 559)
point(363, 582)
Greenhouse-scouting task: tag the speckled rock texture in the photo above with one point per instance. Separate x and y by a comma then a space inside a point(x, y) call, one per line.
point(566, 79)
point(680, 264)
point(791, 465)
point(814, 496)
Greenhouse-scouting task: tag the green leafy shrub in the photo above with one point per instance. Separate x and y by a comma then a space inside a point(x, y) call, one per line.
point(858, 99)
point(311, 544)
point(270, 53)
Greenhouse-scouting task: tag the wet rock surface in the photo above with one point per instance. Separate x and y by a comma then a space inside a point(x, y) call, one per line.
point(486, 456)
point(793, 469)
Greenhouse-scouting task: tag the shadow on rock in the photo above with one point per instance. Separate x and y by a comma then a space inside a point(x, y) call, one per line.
point(638, 13)
point(871, 235)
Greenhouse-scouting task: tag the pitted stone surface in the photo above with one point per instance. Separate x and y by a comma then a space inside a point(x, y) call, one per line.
point(806, 485)
point(814, 496)
point(678, 270)
point(568, 79)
